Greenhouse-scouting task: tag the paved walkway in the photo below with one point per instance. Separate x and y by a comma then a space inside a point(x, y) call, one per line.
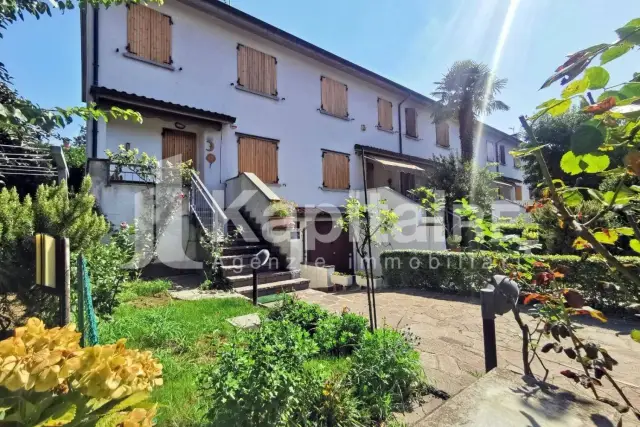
point(451, 347)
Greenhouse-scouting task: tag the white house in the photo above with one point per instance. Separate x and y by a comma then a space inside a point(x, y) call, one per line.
point(236, 95)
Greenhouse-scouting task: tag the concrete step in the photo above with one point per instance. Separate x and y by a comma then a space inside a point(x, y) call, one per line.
point(244, 249)
point(243, 259)
point(275, 287)
point(267, 277)
point(246, 268)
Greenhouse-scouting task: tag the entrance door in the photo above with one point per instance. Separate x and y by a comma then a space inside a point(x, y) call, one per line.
point(177, 142)
point(336, 253)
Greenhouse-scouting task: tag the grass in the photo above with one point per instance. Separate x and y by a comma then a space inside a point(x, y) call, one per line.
point(185, 336)
point(272, 298)
point(143, 288)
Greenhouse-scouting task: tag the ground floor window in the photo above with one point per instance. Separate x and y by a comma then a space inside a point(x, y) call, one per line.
point(259, 156)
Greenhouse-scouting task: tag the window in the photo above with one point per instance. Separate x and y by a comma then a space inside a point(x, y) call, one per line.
point(518, 192)
point(334, 97)
point(517, 162)
point(491, 152)
point(149, 34)
point(411, 122)
point(385, 117)
point(179, 143)
point(257, 71)
point(259, 156)
point(335, 170)
point(442, 134)
point(503, 155)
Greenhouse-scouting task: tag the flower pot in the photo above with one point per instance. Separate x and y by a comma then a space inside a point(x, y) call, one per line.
point(362, 282)
point(282, 223)
point(341, 280)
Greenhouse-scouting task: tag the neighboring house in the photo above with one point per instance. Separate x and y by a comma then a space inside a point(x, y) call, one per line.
point(235, 94)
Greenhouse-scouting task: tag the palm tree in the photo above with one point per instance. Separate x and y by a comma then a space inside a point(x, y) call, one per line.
point(462, 93)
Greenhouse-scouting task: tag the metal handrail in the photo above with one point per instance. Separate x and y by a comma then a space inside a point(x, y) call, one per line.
point(204, 207)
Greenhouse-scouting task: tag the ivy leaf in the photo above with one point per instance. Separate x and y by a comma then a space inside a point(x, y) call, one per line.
point(596, 162)
point(635, 335)
point(615, 52)
point(575, 87)
point(598, 77)
point(625, 231)
point(635, 245)
point(586, 139)
point(607, 237)
point(570, 163)
point(630, 89)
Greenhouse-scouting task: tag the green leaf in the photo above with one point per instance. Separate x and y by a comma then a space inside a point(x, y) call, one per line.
point(570, 163)
point(62, 417)
point(572, 198)
point(596, 162)
point(635, 188)
point(630, 32)
point(526, 151)
point(548, 103)
point(608, 237)
point(635, 245)
point(628, 110)
point(586, 139)
point(630, 89)
point(560, 107)
point(575, 87)
point(615, 52)
point(598, 77)
point(635, 335)
point(596, 195)
point(625, 231)
point(624, 196)
point(608, 93)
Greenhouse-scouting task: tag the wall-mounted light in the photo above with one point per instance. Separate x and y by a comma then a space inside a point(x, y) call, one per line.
point(234, 126)
point(363, 128)
point(179, 125)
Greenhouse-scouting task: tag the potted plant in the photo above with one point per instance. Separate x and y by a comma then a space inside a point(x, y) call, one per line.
point(282, 215)
point(361, 280)
point(341, 279)
point(453, 243)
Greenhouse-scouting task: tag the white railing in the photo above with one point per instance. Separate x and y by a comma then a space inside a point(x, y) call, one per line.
point(205, 208)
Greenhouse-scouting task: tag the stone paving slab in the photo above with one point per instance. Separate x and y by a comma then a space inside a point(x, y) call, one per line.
point(248, 321)
point(451, 346)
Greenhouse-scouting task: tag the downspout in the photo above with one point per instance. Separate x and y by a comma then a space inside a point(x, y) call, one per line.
point(94, 126)
point(400, 123)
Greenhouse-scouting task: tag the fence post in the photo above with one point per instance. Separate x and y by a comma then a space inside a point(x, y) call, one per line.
point(63, 278)
point(81, 296)
point(489, 328)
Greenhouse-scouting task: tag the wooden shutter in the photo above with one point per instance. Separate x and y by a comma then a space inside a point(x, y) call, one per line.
point(259, 156)
point(257, 71)
point(518, 192)
point(385, 117)
point(335, 170)
point(442, 134)
point(148, 33)
point(503, 160)
point(334, 97)
point(411, 116)
point(177, 142)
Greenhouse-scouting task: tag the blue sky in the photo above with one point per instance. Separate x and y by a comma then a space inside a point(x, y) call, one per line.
point(410, 41)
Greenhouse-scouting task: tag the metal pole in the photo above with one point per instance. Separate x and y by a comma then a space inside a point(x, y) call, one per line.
point(366, 202)
point(63, 278)
point(81, 296)
point(255, 286)
point(489, 329)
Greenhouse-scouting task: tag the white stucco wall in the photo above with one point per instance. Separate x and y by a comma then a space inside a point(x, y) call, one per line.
point(204, 54)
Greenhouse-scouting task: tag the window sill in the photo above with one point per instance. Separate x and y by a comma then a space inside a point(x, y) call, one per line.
point(385, 130)
point(335, 190)
point(148, 61)
point(326, 113)
point(415, 138)
point(254, 92)
point(446, 147)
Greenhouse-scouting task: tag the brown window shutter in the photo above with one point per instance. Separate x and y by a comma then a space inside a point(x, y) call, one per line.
point(335, 170)
point(334, 97)
point(442, 134)
point(385, 117)
point(179, 143)
point(518, 192)
point(260, 157)
point(411, 121)
point(149, 33)
point(257, 71)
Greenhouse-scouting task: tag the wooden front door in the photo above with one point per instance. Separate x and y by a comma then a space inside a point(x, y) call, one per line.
point(518, 192)
point(179, 143)
point(336, 253)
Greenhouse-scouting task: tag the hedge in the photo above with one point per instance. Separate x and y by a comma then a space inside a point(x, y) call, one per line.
point(467, 273)
point(516, 228)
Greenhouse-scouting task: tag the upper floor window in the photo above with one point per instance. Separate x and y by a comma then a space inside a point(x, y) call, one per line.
point(517, 162)
point(149, 34)
point(411, 121)
point(491, 152)
point(385, 116)
point(442, 134)
point(503, 155)
point(334, 97)
point(257, 71)
point(335, 170)
point(260, 156)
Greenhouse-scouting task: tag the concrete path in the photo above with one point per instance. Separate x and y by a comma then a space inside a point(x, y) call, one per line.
point(451, 346)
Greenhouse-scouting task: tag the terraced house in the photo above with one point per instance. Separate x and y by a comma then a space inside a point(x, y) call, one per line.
point(257, 108)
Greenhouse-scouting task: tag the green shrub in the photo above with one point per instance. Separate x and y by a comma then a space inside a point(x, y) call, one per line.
point(468, 273)
point(300, 313)
point(386, 374)
point(260, 380)
point(340, 335)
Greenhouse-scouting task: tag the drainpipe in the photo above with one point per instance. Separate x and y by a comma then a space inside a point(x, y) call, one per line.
point(400, 123)
point(94, 126)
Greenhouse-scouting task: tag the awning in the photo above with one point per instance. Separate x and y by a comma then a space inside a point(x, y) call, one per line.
point(395, 164)
point(504, 184)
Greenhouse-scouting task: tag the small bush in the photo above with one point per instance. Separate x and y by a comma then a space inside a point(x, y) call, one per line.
point(386, 374)
point(300, 313)
point(260, 380)
point(340, 335)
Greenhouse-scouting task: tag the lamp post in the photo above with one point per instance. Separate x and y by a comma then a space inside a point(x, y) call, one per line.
point(258, 261)
point(499, 297)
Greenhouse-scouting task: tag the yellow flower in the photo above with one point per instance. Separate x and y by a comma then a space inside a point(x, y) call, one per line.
point(140, 417)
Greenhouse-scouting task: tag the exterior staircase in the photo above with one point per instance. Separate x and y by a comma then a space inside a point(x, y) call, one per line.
point(273, 277)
